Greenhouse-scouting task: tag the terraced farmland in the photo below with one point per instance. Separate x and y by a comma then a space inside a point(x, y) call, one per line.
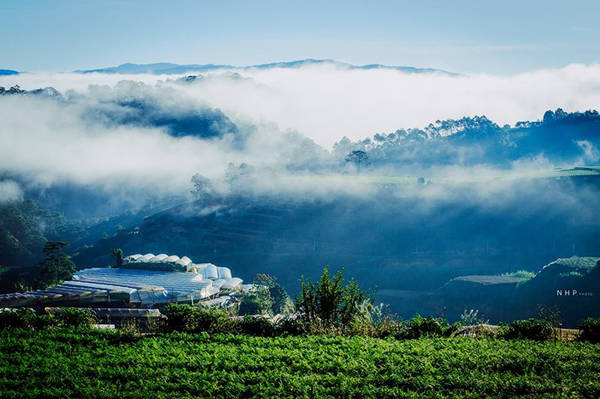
point(68, 363)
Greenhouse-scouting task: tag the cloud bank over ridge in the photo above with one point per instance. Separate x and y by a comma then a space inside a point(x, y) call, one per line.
point(324, 102)
point(146, 132)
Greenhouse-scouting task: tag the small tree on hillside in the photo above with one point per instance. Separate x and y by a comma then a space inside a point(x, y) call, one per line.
point(357, 157)
point(203, 187)
point(281, 302)
point(257, 301)
point(56, 267)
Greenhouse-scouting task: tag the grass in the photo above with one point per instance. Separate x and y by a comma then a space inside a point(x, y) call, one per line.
point(578, 262)
point(101, 364)
point(490, 279)
point(521, 274)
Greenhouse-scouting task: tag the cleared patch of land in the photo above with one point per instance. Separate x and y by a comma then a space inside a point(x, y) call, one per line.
point(100, 364)
point(486, 280)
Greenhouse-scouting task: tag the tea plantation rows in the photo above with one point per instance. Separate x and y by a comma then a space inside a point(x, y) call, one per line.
point(103, 364)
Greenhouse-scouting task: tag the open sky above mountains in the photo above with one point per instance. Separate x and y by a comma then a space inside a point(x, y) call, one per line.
point(465, 37)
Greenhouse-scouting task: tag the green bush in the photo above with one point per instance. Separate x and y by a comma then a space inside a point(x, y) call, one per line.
point(331, 303)
point(534, 329)
point(292, 326)
point(17, 318)
point(75, 317)
point(281, 302)
point(179, 317)
point(257, 326)
point(392, 328)
point(590, 330)
point(256, 302)
point(188, 318)
point(425, 327)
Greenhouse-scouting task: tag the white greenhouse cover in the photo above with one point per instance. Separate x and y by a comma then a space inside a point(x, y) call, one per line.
point(152, 286)
point(224, 272)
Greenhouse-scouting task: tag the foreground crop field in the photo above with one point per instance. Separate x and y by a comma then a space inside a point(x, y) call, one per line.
point(64, 363)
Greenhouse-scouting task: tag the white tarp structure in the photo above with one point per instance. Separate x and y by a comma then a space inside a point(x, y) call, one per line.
point(143, 284)
point(200, 281)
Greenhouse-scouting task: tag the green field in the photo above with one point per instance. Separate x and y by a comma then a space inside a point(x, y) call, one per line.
point(97, 364)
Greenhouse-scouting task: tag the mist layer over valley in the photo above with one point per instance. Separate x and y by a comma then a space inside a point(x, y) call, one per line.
point(406, 179)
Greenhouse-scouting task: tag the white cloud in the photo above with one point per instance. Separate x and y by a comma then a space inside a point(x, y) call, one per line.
point(10, 191)
point(49, 141)
point(326, 103)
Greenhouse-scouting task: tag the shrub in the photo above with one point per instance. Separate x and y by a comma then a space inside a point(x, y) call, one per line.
point(188, 318)
point(330, 303)
point(281, 302)
point(590, 330)
point(215, 321)
point(256, 302)
point(392, 328)
point(17, 318)
point(534, 329)
point(257, 326)
point(179, 317)
point(75, 317)
point(425, 327)
point(292, 326)
point(25, 318)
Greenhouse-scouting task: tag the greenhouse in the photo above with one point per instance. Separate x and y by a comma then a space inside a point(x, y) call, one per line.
point(142, 280)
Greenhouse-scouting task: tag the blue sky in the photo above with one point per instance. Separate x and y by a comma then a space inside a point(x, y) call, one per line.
point(502, 37)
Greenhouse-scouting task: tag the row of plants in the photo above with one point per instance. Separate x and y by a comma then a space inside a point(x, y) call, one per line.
point(59, 363)
point(330, 306)
point(186, 318)
point(26, 318)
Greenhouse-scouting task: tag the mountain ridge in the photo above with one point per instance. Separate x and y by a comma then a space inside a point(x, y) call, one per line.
point(172, 68)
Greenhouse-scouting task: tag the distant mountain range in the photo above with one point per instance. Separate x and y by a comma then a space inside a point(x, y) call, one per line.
point(8, 72)
point(169, 68)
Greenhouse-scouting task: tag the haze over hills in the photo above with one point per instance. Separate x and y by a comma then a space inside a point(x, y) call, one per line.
point(167, 164)
point(169, 68)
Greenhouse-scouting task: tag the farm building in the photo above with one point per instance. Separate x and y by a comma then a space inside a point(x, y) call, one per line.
point(142, 281)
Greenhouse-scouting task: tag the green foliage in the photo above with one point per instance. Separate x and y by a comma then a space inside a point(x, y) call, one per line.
point(534, 329)
point(281, 302)
point(56, 267)
point(188, 318)
point(578, 262)
point(103, 364)
point(425, 327)
point(590, 330)
point(74, 317)
point(523, 274)
point(20, 235)
point(330, 302)
point(552, 315)
point(257, 301)
point(24, 318)
point(257, 326)
point(16, 318)
point(292, 326)
point(27, 318)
